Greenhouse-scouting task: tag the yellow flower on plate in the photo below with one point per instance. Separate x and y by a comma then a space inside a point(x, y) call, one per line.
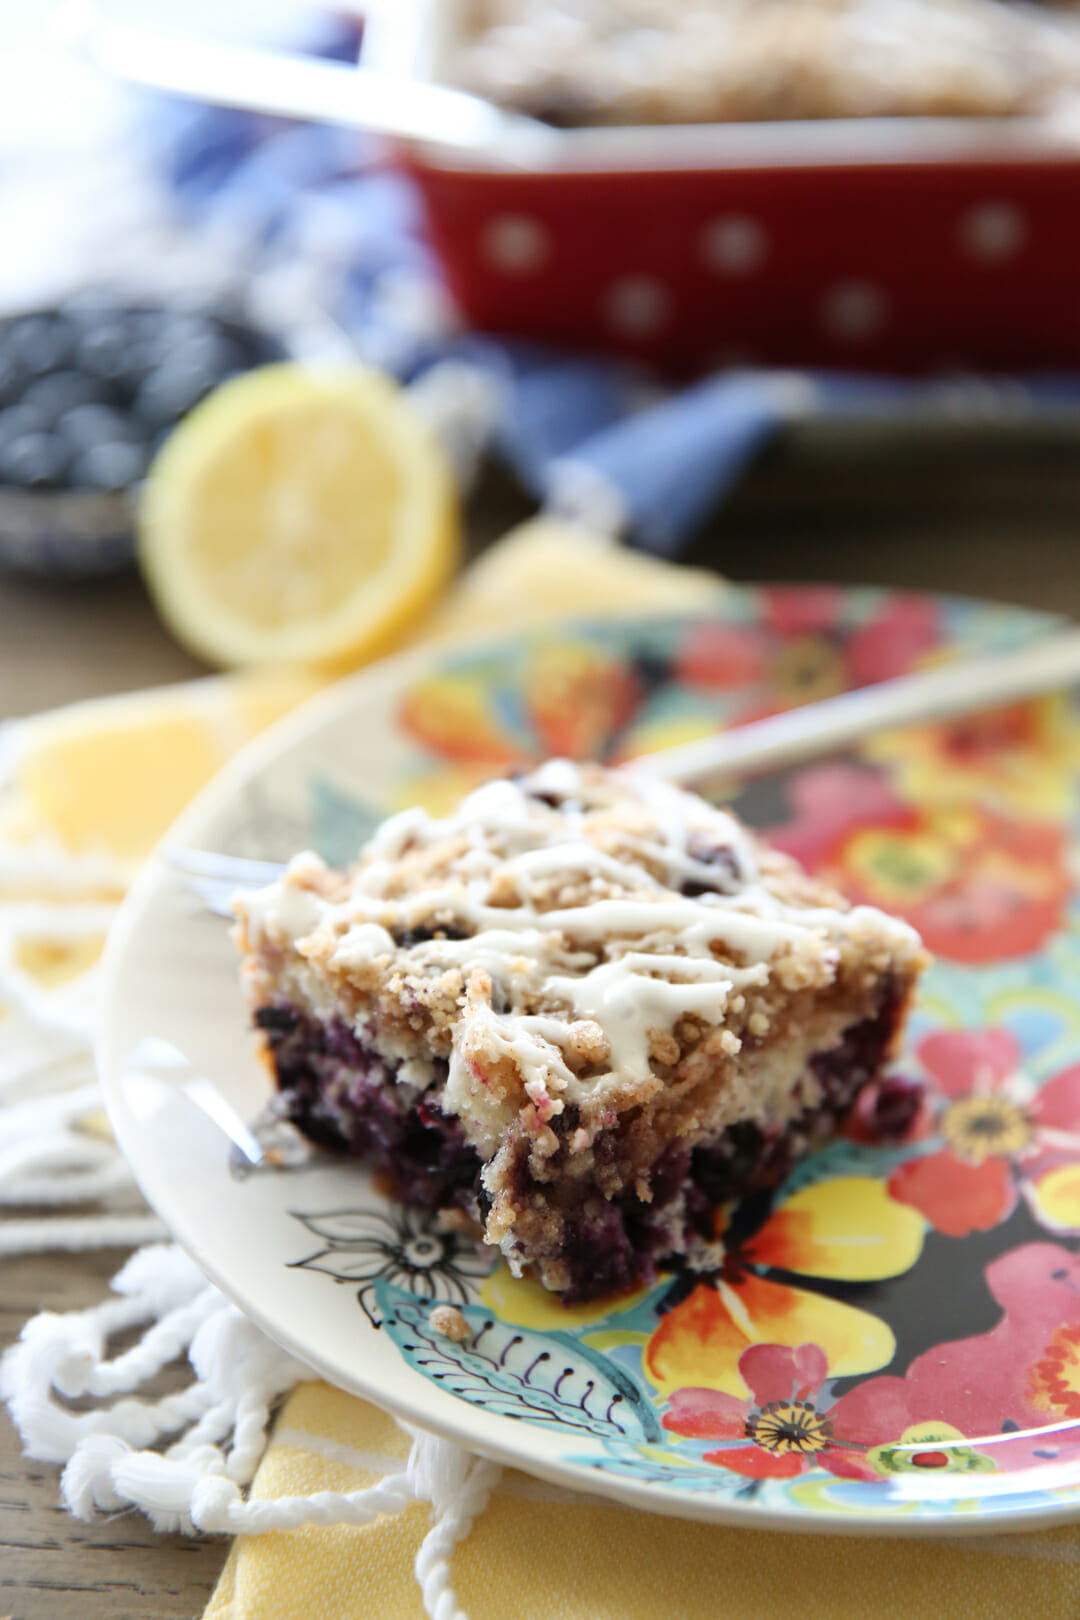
point(451, 714)
point(900, 867)
point(1056, 1198)
point(845, 1229)
point(1021, 759)
point(577, 696)
point(527, 1304)
point(807, 669)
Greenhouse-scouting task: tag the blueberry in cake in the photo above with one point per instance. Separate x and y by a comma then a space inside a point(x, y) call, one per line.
point(583, 1011)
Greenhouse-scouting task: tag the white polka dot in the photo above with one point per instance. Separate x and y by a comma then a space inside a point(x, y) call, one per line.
point(516, 243)
point(993, 232)
point(734, 244)
point(637, 306)
point(854, 311)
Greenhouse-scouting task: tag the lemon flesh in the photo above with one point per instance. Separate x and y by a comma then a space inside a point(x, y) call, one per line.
point(110, 774)
point(298, 516)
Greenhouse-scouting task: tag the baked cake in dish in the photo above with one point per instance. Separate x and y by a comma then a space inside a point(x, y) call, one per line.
point(695, 61)
point(584, 1011)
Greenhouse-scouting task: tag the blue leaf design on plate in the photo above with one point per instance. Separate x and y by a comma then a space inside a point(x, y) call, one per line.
point(544, 1378)
point(340, 824)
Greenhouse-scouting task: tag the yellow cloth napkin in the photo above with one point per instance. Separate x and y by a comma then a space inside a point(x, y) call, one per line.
point(535, 1550)
point(110, 775)
point(548, 1554)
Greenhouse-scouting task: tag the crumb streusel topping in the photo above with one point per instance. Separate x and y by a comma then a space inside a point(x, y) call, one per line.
point(577, 937)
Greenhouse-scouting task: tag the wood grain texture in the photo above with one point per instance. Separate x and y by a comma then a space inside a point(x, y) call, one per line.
point(51, 1566)
point(995, 519)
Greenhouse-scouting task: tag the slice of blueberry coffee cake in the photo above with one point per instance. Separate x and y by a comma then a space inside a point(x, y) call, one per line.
point(582, 1012)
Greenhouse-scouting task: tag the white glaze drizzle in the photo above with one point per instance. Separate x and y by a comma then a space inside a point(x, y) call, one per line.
point(657, 950)
point(627, 1003)
point(281, 909)
point(363, 943)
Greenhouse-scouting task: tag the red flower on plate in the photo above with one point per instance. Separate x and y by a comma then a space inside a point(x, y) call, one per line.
point(978, 885)
point(896, 640)
point(787, 1427)
point(802, 610)
point(577, 696)
point(801, 648)
point(830, 803)
point(1015, 1383)
point(724, 657)
point(1003, 1138)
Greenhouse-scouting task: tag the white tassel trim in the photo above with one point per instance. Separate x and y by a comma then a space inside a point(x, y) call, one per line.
point(183, 1459)
point(214, 1431)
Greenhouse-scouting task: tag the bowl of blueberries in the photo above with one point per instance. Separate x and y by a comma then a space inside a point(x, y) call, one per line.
point(88, 391)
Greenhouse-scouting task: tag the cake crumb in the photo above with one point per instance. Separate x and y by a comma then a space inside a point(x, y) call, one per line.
point(448, 1320)
point(456, 1220)
point(663, 1047)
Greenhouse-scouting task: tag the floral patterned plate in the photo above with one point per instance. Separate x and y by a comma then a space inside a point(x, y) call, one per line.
point(893, 1340)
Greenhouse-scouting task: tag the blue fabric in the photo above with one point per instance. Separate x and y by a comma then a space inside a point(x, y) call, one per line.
point(552, 404)
point(673, 463)
point(302, 193)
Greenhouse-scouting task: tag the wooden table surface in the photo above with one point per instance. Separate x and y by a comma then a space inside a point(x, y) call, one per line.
point(981, 516)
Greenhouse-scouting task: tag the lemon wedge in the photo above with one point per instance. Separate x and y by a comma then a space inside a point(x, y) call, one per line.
point(108, 775)
point(298, 516)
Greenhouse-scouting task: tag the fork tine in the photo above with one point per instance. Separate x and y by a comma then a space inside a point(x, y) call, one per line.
point(208, 895)
point(236, 870)
point(213, 879)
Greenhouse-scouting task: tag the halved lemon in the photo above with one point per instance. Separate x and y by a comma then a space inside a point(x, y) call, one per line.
point(298, 516)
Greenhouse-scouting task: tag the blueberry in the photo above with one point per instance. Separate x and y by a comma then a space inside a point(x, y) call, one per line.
point(34, 460)
point(283, 1019)
point(18, 420)
point(217, 351)
point(110, 466)
point(111, 346)
point(175, 332)
point(889, 1108)
point(162, 397)
point(12, 377)
point(87, 425)
point(186, 376)
point(409, 937)
point(898, 1103)
point(143, 322)
point(39, 343)
point(720, 858)
point(62, 391)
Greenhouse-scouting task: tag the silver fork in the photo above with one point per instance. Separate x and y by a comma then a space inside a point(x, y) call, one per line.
point(214, 879)
point(781, 740)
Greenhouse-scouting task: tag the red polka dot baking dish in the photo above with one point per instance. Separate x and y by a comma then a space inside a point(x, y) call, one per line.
point(908, 244)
